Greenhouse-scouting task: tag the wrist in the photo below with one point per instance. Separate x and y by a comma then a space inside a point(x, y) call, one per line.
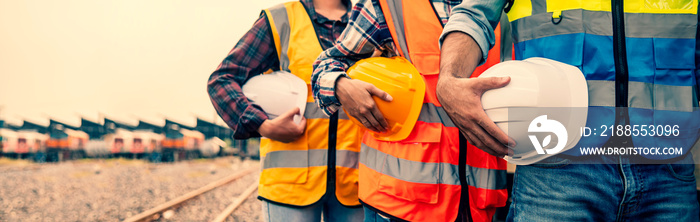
point(445, 88)
point(444, 81)
point(340, 86)
point(265, 128)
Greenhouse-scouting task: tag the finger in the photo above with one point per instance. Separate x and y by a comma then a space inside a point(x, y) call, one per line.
point(494, 131)
point(373, 90)
point(383, 124)
point(489, 142)
point(375, 124)
point(488, 83)
point(471, 139)
point(302, 125)
point(290, 113)
point(366, 123)
point(474, 140)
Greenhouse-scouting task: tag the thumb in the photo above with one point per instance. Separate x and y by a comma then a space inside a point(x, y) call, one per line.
point(488, 83)
point(290, 114)
point(302, 125)
point(373, 90)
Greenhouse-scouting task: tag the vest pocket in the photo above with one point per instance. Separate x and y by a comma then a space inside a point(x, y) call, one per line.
point(670, 53)
point(412, 170)
point(662, 105)
point(284, 163)
point(425, 62)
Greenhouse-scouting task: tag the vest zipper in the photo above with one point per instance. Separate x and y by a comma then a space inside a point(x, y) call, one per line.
point(621, 71)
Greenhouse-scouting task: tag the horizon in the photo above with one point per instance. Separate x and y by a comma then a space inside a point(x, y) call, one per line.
point(125, 60)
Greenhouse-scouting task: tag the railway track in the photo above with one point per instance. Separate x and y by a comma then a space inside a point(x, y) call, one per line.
point(156, 212)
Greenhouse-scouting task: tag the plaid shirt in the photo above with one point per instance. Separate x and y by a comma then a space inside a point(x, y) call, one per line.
point(255, 53)
point(366, 33)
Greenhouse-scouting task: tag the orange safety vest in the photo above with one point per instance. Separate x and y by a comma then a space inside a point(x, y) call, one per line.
point(419, 178)
point(300, 173)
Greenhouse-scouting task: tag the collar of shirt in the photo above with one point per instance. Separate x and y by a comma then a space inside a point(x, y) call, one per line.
point(320, 19)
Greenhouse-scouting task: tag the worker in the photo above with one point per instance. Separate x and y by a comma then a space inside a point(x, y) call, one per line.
point(431, 175)
point(640, 61)
point(306, 176)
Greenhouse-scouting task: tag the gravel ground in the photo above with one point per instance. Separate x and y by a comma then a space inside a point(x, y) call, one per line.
point(209, 205)
point(250, 210)
point(115, 189)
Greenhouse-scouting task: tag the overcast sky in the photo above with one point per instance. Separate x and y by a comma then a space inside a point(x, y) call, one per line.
point(128, 59)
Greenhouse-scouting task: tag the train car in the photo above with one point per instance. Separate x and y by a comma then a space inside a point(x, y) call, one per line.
point(30, 142)
point(181, 144)
point(66, 144)
point(8, 142)
point(97, 148)
point(145, 143)
point(120, 142)
point(192, 141)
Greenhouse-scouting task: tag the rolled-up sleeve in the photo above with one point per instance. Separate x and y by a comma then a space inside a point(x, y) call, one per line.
point(366, 32)
point(476, 18)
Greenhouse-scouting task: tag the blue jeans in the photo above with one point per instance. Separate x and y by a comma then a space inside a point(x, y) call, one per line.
point(558, 190)
point(328, 207)
point(372, 216)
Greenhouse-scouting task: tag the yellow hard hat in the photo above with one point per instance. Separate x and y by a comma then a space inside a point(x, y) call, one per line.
point(403, 82)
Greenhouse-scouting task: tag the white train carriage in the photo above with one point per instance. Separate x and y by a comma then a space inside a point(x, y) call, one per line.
point(145, 142)
point(30, 142)
point(119, 143)
point(97, 148)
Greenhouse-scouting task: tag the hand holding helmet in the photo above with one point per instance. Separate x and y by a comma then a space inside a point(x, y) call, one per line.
point(356, 97)
point(283, 128)
point(461, 99)
point(398, 89)
point(282, 96)
point(545, 101)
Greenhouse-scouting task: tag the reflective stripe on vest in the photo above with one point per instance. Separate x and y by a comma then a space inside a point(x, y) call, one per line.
point(295, 173)
point(422, 172)
point(661, 39)
point(315, 158)
point(417, 179)
point(314, 112)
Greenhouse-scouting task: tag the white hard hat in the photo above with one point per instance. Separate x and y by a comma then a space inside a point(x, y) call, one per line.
point(543, 96)
point(277, 93)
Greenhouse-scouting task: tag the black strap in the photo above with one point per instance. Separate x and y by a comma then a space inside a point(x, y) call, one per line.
point(332, 140)
point(464, 213)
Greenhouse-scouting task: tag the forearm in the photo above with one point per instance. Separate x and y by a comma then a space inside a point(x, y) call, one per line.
point(460, 95)
point(459, 56)
point(242, 116)
point(364, 34)
point(326, 73)
point(253, 54)
point(477, 19)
